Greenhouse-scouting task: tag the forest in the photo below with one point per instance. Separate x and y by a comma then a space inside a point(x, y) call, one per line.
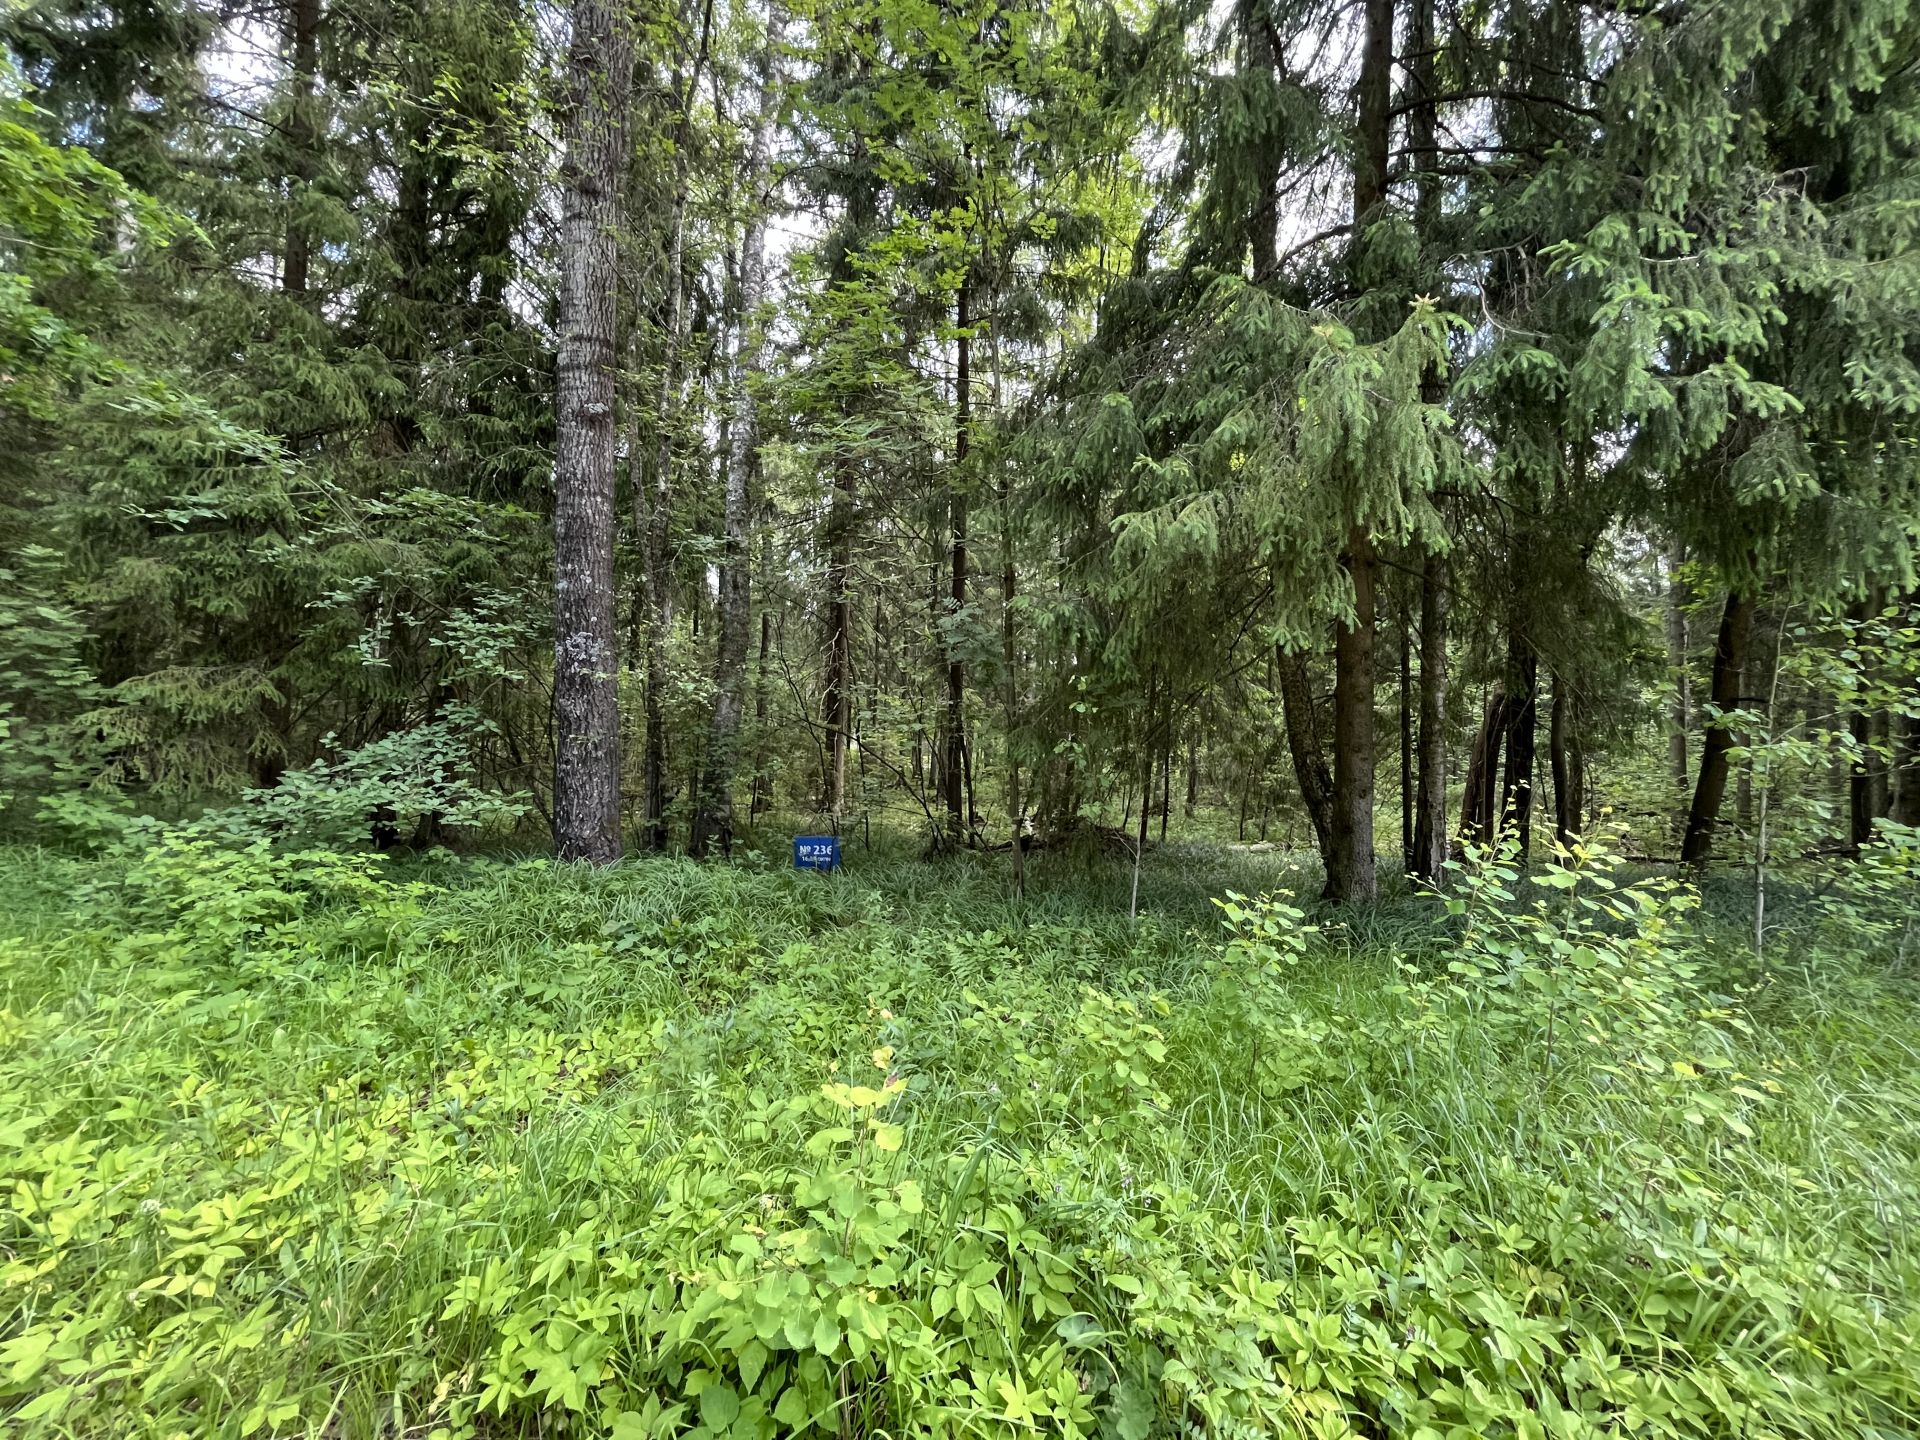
point(1125, 719)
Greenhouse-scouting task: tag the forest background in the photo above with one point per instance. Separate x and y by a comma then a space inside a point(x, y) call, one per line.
point(1114, 465)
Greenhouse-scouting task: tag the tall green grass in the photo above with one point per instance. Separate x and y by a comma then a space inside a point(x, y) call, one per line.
point(304, 1146)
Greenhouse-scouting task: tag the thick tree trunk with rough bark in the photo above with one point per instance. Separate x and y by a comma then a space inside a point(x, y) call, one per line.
point(586, 798)
point(1430, 800)
point(1729, 664)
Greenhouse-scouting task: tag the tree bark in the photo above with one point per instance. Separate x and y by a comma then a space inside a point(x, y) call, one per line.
point(1867, 789)
point(1350, 868)
point(959, 830)
point(1483, 766)
point(1406, 740)
point(837, 703)
point(586, 809)
point(1430, 839)
point(762, 796)
point(1569, 770)
point(302, 140)
point(1430, 805)
point(1350, 872)
point(1906, 791)
point(1905, 809)
point(713, 810)
point(1373, 97)
point(1523, 719)
point(1305, 747)
point(1166, 786)
point(1678, 644)
point(1009, 653)
point(1729, 664)
point(653, 513)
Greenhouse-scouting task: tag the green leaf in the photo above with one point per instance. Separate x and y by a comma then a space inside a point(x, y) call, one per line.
point(719, 1407)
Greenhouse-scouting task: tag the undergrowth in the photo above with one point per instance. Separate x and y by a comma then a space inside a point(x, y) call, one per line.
point(301, 1144)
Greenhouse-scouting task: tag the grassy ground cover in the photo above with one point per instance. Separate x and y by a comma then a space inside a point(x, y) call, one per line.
point(310, 1145)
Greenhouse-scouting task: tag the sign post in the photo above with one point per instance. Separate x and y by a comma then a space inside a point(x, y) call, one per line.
point(816, 852)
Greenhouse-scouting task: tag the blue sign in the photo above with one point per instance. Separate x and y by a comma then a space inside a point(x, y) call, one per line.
point(816, 852)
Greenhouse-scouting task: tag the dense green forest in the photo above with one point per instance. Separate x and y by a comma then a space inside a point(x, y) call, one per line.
point(1346, 577)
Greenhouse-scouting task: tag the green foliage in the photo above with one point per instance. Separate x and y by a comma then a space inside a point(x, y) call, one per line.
point(687, 1151)
point(45, 684)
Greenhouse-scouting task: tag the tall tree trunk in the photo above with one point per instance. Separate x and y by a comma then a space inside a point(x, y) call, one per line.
point(1430, 839)
point(586, 791)
point(1350, 873)
point(713, 809)
point(1523, 719)
point(1406, 739)
point(838, 700)
point(1009, 654)
point(1729, 664)
point(1680, 661)
point(1430, 805)
point(1867, 780)
point(1146, 797)
point(1166, 785)
point(762, 787)
point(1305, 747)
point(1477, 807)
point(1569, 777)
point(1905, 809)
point(1193, 776)
point(958, 826)
point(1906, 778)
point(302, 140)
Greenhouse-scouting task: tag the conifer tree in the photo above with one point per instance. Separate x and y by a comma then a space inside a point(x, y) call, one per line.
point(586, 789)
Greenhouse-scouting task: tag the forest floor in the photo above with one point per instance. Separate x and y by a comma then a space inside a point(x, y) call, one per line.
point(310, 1146)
